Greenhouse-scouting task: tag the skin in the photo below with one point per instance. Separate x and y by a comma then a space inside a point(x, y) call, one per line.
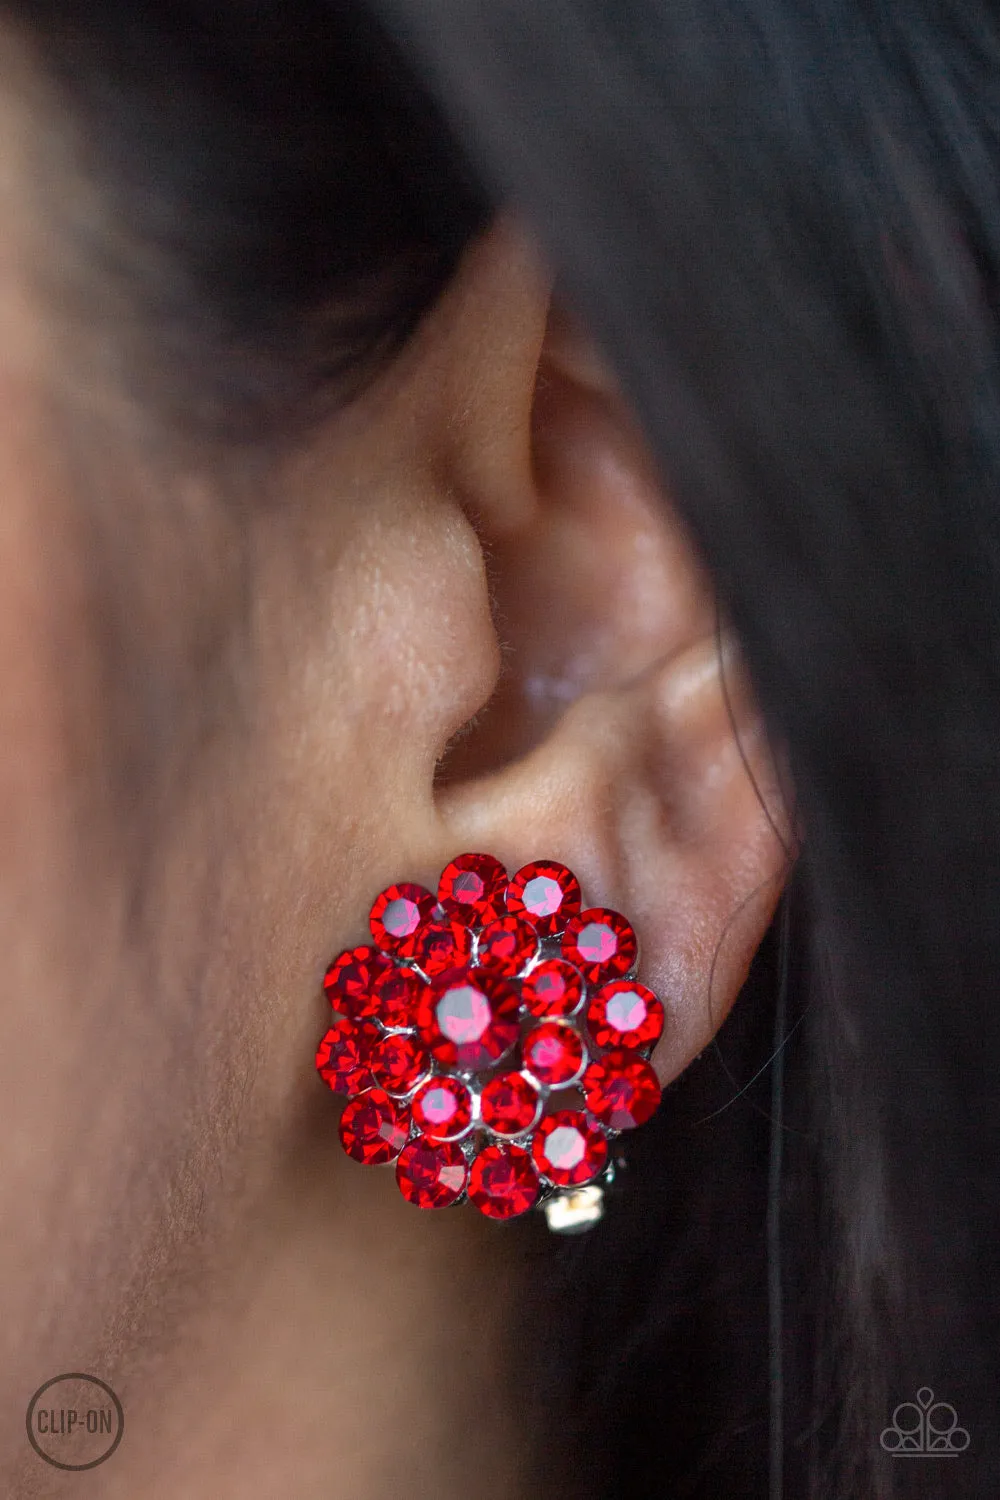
point(466, 617)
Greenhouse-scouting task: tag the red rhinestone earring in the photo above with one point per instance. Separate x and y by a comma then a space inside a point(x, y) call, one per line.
point(492, 1042)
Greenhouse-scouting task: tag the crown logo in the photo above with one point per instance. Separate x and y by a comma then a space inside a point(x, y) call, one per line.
point(924, 1428)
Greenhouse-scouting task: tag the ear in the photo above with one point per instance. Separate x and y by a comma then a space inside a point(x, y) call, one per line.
point(623, 737)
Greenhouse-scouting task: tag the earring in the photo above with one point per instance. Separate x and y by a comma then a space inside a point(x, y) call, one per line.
point(492, 1042)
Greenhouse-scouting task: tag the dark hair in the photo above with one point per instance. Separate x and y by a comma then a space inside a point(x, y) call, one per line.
point(782, 221)
point(272, 202)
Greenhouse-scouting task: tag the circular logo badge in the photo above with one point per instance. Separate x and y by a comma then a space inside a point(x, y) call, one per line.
point(75, 1422)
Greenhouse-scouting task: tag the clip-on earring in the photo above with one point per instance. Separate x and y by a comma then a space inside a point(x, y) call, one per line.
point(492, 1042)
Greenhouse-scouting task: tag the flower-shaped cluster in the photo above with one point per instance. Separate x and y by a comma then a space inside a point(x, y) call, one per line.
point(490, 1040)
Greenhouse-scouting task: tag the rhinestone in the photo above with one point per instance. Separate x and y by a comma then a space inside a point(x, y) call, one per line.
point(621, 1089)
point(442, 1108)
point(503, 1182)
point(554, 1054)
point(506, 946)
point(473, 889)
point(342, 1057)
point(351, 979)
point(398, 1062)
point(374, 1128)
point(510, 1104)
point(554, 988)
point(625, 1014)
point(545, 894)
point(601, 944)
point(398, 995)
point(398, 915)
point(469, 1019)
point(431, 1174)
point(442, 945)
point(569, 1149)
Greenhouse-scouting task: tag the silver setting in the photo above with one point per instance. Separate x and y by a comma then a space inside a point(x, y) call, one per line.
point(575, 1212)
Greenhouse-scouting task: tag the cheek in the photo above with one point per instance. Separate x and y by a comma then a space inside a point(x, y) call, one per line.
point(69, 1136)
point(158, 1008)
point(369, 654)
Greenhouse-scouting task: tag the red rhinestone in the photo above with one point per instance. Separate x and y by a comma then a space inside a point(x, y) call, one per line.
point(506, 946)
point(625, 1014)
point(510, 1104)
point(350, 981)
point(469, 1019)
point(553, 989)
point(545, 894)
point(441, 946)
point(442, 1108)
point(621, 1089)
point(601, 944)
point(554, 1054)
point(397, 917)
point(473, 889)
point(569, 1149)
point(342, 1057)
point(374, 1128)
point(503, 1182)
point(431, 1174)
point(398, 995)
point(398, 1062)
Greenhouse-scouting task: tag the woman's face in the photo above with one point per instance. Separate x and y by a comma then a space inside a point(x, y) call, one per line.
point(229, 705)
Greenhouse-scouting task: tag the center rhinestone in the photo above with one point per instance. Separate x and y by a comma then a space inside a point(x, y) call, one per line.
point(543, 896)
point(626, 1011)
point(463, 1014)
point(469, 1020)
point(597, 942)
point(401, 917)
point(565, 1148)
